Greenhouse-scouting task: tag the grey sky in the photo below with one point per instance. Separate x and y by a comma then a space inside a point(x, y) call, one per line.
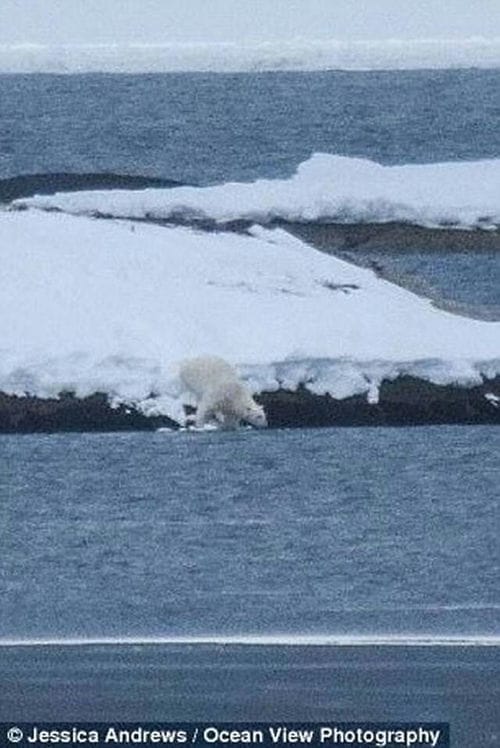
point(101, 21)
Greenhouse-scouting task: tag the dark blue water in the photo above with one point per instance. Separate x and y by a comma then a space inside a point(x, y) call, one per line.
point(459, 686)
point(471, 279)
point(330, 531)
point(204, 128)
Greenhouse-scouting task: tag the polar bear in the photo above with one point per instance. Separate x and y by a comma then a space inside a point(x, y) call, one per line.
point(219, 393)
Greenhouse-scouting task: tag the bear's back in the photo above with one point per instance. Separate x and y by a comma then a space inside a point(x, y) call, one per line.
point(206, 372)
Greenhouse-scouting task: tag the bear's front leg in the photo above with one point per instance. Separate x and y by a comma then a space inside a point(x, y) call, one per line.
point(204, 413)
point(230, 421)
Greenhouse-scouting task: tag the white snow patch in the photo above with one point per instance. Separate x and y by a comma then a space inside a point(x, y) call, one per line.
point(88, 305)
point(325, 188)
point(493, 399)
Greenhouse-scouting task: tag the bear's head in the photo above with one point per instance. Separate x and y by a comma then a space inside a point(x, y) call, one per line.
point(255, 415)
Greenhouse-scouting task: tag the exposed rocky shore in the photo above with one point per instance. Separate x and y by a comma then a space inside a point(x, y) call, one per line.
point(27, 185)
point(406, 401)
point(330, 237)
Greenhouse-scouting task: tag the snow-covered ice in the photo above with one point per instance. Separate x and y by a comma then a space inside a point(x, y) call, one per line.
point(104, 305)
point(294, 54)
point(328, 188)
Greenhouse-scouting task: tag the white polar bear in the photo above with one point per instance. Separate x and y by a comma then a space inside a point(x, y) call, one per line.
point(219, 393)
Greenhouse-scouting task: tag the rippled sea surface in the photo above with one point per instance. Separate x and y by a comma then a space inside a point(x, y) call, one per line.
point(204, 128)
point(303, 531)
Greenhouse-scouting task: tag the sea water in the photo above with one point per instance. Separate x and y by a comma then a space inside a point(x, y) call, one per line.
point(307, 575)
point(332, 531)
point(210, 128)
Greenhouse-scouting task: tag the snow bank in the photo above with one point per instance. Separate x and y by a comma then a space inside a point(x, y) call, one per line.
point(325, 188)
point(92, 305)
point(299, 54)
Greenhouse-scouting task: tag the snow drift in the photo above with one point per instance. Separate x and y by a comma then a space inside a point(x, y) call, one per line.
point(325, 188)
point(111, 306)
